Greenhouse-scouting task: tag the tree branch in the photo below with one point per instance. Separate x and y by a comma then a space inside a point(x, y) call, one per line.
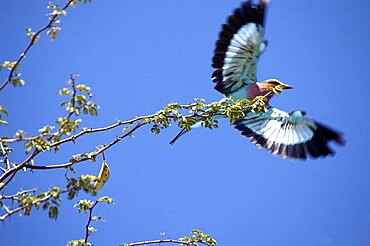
point(5, 154)
point(91, 130)
point(15, 169)
point(226, 107)
point(89, 221)
point(159, 241)
point(15, 197)
point(68, 164)
point(9, 213)
point(31, 43)
point(24, 197)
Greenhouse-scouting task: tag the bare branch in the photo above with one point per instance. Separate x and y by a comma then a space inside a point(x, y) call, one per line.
point(159, 241)
point(14, 170)
point(15, 197)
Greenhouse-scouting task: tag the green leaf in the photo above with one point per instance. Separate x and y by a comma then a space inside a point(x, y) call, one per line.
point(53, 212)
point(106, 199)
point(155, 129)
point(96, 218)
point(93, 111)
point(80, 242)
point(3, 111)
point(65, 91)
point(91, 230)
point(83, 88)
point(83, 205)
point(18, 82)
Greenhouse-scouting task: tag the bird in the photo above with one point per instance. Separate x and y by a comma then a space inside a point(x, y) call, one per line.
point(240, 44)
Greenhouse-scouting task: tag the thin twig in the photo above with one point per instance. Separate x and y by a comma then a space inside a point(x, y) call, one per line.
point(89, 221)
point(9, 213)
point(73, 85)
point(94, 130)
point(31, 43)
point(5, 154)
point(26, 139)
point(15, 197)
point(8, 181)
point(68, 164)
point(91, 130)
point(140, 119)
point(15, 169)
point(174, 241)
point(36, 201)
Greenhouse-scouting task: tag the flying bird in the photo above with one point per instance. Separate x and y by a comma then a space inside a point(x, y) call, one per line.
point(289, 135)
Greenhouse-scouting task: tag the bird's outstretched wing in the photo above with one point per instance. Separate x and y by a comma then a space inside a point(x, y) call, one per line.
point(237, 50)
point(288, 135)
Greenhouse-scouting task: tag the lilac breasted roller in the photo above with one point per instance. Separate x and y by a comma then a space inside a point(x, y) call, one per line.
point(240, 44)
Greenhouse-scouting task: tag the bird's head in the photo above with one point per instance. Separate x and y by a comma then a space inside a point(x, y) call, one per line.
point(276, 86)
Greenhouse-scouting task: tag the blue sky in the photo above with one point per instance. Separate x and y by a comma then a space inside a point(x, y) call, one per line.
point(140, 55)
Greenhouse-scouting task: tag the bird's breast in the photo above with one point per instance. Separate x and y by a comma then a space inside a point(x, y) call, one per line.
point(253, 90)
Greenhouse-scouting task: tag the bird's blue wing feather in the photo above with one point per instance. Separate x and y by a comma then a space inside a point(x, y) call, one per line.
point(237, 51)
point(288, 135)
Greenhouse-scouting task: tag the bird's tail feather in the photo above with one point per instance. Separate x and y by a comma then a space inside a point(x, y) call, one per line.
point(182, 132)
point(196, 125)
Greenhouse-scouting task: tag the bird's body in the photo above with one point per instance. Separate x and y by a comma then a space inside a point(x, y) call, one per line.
point(240, 44)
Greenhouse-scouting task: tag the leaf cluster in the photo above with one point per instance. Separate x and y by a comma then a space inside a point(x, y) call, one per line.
point(80, 98)
point(79, 102)
point(205, 114)
point(48, 200)
point(258, 104)
point(85, 205)
point(80, 242)
point(13, 67)
point(82, 183)
point(3, 112)
point(196, 238)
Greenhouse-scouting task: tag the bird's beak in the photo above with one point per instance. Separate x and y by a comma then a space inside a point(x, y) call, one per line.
point(286, 87)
